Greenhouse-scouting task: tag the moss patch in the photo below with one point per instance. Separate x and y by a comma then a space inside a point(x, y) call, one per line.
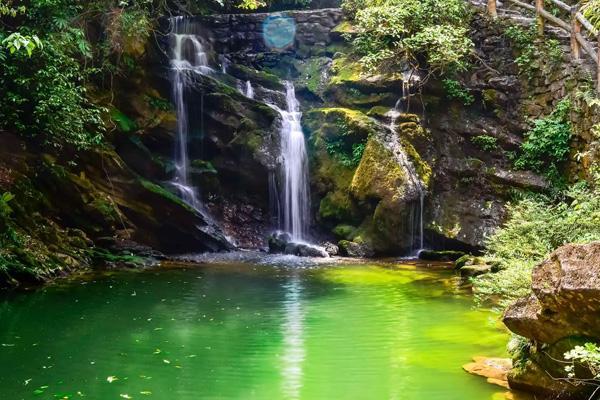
point(378, 175)
point(159, 190)
point(262, 78)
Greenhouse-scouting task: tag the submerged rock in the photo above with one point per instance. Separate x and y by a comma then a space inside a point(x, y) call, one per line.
point(494, 369)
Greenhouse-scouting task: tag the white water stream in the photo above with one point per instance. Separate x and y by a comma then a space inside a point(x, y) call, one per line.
point(188, 56)
point(295, 197)
point(415, 218)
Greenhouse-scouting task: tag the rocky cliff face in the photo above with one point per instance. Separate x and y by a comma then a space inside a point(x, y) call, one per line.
point(364, 170)
point(562, 312)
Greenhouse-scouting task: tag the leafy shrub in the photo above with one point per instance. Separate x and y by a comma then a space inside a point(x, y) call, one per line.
point(390, 33)
point(591, 10)
point(128, 29)
point(587, 356)
point(485, 142)
point(5, 209)
point(533, 54)
point(15, 42)
point(348, 154)
point(547, 145)
point(44, 95)
point(455, 90)
point(536, 226)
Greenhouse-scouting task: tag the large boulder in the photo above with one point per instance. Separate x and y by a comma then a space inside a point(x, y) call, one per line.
point(566, 299)
point(562, 312)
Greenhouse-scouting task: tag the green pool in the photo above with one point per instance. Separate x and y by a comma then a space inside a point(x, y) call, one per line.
point(248, 330)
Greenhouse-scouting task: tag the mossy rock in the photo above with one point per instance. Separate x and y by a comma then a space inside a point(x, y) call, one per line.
point(379, 112)
point(345, 27)
point(339, 121)
point(164, 193)
point(462, 261)
point(355, 249)
point(344, 231)
point(378, 175)
point(262, 78)
point(337, 206)
point(345, 70)
point(441, 255)
point(312, 74)
point(422, 168)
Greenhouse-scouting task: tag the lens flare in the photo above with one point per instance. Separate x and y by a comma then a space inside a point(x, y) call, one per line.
point(279, 32)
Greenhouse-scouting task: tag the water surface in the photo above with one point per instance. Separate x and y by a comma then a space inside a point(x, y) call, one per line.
point(247, 331)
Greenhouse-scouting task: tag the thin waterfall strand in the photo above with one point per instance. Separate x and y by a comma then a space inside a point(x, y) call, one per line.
point(188, 57)
point(400, 107)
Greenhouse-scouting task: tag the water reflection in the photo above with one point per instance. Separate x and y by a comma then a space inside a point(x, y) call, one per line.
point(293, 327)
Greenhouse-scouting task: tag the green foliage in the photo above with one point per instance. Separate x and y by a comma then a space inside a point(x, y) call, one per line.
point(5, 209)
point(129, 29)
point(533, 53)
point(536, 226)
point(587, 356)
point(547, 145)
point(44, 96)
point(591, 10)
point(390, 33)
point(349, 155)
point(455, 90)
point(8, 8)
point(15, 42)
point(485, 142)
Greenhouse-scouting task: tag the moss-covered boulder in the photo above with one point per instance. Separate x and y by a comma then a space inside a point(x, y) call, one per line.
point(378, 176)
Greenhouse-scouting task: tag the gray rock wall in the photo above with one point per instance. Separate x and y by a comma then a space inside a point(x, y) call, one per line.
point(242, 35)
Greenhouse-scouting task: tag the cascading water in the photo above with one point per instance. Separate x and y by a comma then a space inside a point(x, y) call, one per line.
point(249, 90)
point(295, 198)
point(415, 219)
point(246, 89)
point(188, 56)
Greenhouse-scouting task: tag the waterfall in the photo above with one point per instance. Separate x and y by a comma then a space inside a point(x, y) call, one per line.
point(415, 218)
point(295, 198)
point(246, 89)
point(249, 90)
point(188, 57)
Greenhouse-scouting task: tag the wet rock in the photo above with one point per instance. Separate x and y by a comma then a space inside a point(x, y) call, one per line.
point(443, 255)
point(278, 241)
point(281, 243)
point(475, 270)
point(331, 249)
point(462, 261)
point(307, 250)
point(354, 249)
point(494, 369)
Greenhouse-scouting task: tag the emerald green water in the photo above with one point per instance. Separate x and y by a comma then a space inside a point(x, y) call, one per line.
point(242, 331)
